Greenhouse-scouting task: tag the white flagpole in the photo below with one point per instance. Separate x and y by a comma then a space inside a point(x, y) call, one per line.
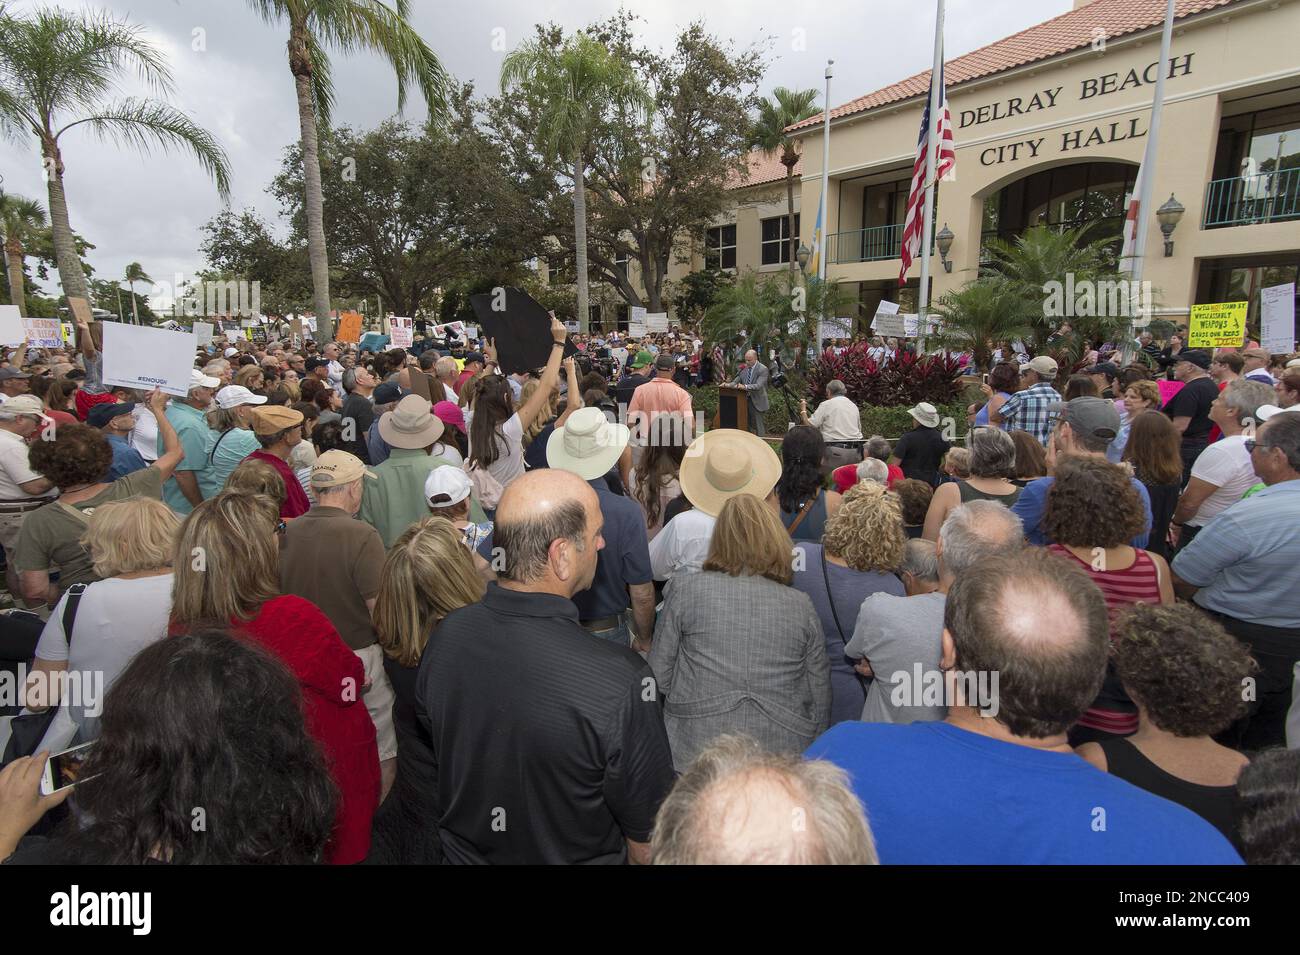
point(824, 249)
point(931, 164)
point(1145, 211)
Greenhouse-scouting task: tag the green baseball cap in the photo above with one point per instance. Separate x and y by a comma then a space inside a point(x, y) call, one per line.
point(642, 359)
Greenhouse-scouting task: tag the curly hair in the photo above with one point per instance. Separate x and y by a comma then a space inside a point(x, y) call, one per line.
point(867, 530)
point(1182, 666)
point(1092, 503)
point(914, 498)
point(204, 722)
point(802, 453)
point(1268, 810)
point(78, 454)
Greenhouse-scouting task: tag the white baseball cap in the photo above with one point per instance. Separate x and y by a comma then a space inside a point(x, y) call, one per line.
point(1264, 412)
point(230, 352)
point(451, 481)
point(200, 380)
point(232, 396)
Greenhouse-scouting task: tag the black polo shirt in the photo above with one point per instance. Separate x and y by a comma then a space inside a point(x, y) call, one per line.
point(549, 743)
point(1193, 401)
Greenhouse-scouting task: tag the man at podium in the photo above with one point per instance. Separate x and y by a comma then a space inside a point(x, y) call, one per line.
point(753, 378)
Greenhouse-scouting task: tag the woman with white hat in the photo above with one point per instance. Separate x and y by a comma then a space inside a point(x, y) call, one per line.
point(920, 450)
point(232, 440)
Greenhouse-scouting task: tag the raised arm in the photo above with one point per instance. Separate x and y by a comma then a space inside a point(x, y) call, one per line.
point(533, 407)
point(574, 401)
point(172, 453)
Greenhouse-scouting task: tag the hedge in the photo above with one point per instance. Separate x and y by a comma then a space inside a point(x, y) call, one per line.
point(890, 422)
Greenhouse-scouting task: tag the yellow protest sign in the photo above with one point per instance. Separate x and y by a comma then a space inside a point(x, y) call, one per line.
point(1218, 326)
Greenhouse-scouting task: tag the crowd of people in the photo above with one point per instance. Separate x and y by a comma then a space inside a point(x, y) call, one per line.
point(409, 606)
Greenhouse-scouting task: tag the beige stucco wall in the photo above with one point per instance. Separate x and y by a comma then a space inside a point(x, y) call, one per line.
point(1247, 48)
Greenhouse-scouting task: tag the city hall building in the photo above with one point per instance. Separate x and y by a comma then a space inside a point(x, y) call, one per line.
point(1050, 126)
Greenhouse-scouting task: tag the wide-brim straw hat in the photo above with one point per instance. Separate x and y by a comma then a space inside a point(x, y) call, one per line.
point(588, 445)
point(725, 462)
point(411, 424)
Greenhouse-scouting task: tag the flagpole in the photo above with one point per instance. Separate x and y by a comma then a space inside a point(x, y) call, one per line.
point(1148, 173)
point(824, 247)
point(931, 164)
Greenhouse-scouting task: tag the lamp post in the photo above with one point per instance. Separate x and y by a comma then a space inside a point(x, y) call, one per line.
point(944, 242)
point(1169, 215)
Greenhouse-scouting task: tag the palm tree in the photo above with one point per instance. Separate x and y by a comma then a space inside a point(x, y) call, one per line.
point(57, 72)
point(346, 26)
point(982, 313)
point(785, 108)
point(135, 273)
point(573, 86)
point(21, 219)
point(754, 307)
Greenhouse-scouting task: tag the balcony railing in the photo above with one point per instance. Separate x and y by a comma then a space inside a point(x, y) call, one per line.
point(866, 245)
point(1251, 200)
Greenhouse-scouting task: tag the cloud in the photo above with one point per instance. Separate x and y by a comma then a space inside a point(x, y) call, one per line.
point(149, 208)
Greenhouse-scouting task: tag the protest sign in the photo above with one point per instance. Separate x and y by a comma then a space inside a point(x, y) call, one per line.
point(656, 321)
point(1222, 325)
point(1277, 318)
point(636, 316)
point(296, 332)
point(11, 325)
point(203, 333)
point(259, 333)
point(373, 342)
point(471, 332)
point(148, 358)
point(69, 330)
point(636, 329)
point(310, 322)
point(403, 331)
point(349, 327)
point(42, 333)
point(449, 330)
point(521, 328)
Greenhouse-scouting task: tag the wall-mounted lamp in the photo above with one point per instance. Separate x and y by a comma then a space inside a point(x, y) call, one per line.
point(1169, 215)
point(944, 242)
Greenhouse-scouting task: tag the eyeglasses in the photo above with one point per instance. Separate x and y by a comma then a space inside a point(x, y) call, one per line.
point(1250, 445)
point(281, 527)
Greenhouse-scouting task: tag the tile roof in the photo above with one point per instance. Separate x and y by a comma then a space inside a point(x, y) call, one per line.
point(763, 169)
point(1070, 31)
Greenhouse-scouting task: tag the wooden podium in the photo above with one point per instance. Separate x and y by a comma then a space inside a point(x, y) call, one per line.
point(733, 408)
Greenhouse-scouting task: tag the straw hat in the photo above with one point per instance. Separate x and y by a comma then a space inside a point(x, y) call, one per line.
point(723, 463)
point(925, 414)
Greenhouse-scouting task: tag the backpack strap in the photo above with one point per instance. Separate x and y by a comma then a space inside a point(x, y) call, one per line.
point(74, 595)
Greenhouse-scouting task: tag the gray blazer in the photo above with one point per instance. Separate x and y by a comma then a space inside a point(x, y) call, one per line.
point(739, 655)
point(756, 386)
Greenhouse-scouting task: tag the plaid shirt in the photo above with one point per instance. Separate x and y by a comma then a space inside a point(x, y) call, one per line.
point(1029, 410)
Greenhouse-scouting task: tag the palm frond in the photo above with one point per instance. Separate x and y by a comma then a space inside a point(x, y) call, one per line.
point(144, 124)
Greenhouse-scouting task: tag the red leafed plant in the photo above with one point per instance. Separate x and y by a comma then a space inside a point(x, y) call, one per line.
point(903, 378)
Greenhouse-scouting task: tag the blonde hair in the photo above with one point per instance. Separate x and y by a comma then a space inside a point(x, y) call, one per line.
point(245, 376)
point(750, 540)
point(227, 561)
point(428, 574)
point(957, 462)
point(125, 537)
point(540, 422)
point(867, 531)
point(1148, 391)
point(258, 477)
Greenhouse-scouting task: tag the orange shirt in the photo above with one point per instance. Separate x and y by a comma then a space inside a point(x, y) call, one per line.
point(656, 397)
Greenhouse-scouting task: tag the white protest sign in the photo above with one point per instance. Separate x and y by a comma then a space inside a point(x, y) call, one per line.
point(635, 329)
point(203, 333)
point(1277, 318)
point(11, 325)
point(454, 329)
point(43, 332)
point(148, 358)
point(402, 331)
point(471, 331)
point(636, 316)
point(887, 321)
point(656, 321)
point(310, 320)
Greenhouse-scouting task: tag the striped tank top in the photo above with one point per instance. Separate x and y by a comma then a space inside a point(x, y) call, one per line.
point(1113, 712)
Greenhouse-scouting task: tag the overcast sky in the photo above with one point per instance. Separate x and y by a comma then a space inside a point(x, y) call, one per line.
point(149, 208)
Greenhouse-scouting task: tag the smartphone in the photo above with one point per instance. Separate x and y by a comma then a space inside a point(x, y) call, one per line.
point(64, 769)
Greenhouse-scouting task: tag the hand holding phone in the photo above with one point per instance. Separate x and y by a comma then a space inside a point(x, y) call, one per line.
point(21, 801)
point(63, 769)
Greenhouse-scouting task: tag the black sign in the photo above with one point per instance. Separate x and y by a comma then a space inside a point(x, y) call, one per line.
point(520, 326)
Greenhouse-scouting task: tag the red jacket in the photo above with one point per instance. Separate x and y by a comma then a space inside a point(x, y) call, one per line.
point(332, 677)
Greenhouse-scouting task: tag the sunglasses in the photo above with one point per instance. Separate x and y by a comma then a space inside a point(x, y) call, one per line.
point(1250, 445)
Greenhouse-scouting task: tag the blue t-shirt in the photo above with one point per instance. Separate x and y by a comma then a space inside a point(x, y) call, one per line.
point(625, 558)
point(125, 459)
point(1032, 504)
point(938, 795)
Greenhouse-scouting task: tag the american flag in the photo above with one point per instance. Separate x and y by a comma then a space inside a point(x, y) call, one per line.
point(947, 163)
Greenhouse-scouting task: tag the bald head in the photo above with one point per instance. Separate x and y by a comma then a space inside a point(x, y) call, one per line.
point(975, 532)
point(1039, 623)
point(740, 805)
point(751, 356)
point(548, 527)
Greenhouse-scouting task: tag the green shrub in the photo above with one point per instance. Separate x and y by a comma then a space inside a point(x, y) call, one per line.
point(890, 422)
